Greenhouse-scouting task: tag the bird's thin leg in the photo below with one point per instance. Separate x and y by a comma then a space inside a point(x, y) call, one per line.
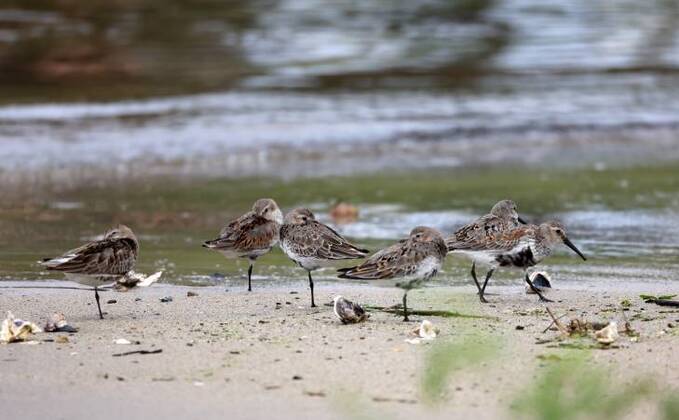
point(476, 281)
point(405, 307)
point(96, 297)
point(311, 286)
point(252, 263)
point(535, 289)
point(489, 274)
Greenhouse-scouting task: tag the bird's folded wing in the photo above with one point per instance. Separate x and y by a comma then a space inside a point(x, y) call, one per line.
point(108, 256)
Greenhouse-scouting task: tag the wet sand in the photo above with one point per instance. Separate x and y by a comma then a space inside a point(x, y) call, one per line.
point(263, 354)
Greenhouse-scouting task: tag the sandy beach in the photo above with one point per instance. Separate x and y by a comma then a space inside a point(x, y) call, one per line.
point(268, 354)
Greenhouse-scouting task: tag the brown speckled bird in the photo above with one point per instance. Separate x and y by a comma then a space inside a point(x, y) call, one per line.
point(408, 263)
point(519, 248)
point(251, 235)
point(312, 245)
point(99, 262)
point(502, 217)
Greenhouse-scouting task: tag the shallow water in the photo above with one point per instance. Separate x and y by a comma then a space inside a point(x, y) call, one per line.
point(629, 233)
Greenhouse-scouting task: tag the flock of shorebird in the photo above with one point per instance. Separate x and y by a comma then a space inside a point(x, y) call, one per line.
point(498, 239)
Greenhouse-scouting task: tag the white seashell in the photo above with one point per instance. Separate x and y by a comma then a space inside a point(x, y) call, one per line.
point(541, 280)
point(13, 330)
point(122, 341)
point(608, 334)
point(427, 330)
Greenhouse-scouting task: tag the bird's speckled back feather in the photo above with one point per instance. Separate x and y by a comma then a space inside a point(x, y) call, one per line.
point(402, 259)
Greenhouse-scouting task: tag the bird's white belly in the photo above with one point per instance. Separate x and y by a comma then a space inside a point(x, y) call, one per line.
point(426, 269)
point(91, 280)
point(308, 263)
point(428, 266)
point(311, 263)
point(480, 257)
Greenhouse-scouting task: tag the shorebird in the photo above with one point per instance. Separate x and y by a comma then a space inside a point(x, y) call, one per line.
point(407, 263)
point(520, 248)
point(312, 245)
point(251, 235)
point(348, 312)
point(100, 261)
point(502, 217)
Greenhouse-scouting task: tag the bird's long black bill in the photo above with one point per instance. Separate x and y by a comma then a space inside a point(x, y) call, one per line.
point(574, 248)
point(522, 220)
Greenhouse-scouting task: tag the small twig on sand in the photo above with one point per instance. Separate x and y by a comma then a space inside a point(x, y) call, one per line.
point(556, 322)
point(127, 353)
point(552, 323)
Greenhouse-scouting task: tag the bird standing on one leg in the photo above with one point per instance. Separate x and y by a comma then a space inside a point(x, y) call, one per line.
point(251, 235)
point(408, 263)
point(519, 248)
point(502, 217)
point(99, 262)
point(312, 245)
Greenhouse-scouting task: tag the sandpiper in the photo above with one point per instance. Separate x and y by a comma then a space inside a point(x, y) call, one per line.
point(100, 261)
point(348, 312)
point(312, 245)
point(407, 263)
point(251, 235)
point(519, 248)
point(502, 217)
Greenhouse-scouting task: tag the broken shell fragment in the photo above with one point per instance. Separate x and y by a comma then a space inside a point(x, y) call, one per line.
point(608, 334)
point(425, 332)
point(541, 280)
point(57, 323)
point(15, 330)
point(133, 279)
point(349, 312)
point(428, 331)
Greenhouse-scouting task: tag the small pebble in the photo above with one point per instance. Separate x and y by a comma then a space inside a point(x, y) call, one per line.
point(520, 327)
point(111, 301)
point(166, 299)
point(191, 294)
point(297, 378)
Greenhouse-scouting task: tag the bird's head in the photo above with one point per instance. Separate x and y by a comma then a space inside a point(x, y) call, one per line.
point(554, 233)
point(506, 209)
point(424, 234)
point(268, 209)
point(299, 216)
